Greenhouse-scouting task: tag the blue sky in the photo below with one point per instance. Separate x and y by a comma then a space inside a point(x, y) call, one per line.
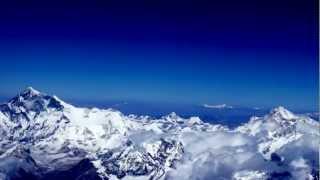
point(245, 53)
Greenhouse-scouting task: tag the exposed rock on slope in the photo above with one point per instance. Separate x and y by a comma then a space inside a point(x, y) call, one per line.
point(42, 137)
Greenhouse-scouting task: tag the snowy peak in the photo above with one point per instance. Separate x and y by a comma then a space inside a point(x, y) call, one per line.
point(173, 117)
point(31, 100)
point(42, 135)
point(26, 94)
point(29, 91)
point(281, 113)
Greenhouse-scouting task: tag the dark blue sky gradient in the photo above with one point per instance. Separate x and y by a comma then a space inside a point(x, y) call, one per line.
point(254, 53)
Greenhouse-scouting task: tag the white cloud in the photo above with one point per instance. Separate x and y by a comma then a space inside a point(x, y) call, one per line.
point(218, 106)
point(279, 142)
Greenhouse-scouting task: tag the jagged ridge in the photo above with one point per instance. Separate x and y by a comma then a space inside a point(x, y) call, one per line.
point(57, 139)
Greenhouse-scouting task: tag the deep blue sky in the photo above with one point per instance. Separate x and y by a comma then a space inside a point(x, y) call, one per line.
point(253, 53)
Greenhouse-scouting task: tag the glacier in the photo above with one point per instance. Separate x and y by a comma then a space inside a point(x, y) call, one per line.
point(43, 137)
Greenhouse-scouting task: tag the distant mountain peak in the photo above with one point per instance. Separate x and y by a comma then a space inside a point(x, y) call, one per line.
point(282, 112)
point(173, 117)
point(30, 91)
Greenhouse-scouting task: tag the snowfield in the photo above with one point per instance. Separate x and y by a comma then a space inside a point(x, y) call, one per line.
point(43, 137)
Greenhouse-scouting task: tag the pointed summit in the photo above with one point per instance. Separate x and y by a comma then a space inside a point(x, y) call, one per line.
point(173, 117)
point(31, 89)
point(282, 113)
point(31, 99)
point(30, 92)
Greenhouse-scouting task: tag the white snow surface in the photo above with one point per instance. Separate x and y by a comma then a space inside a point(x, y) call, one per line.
point(58, 137)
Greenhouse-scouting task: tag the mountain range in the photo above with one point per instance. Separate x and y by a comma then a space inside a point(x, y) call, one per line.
point(43, 137)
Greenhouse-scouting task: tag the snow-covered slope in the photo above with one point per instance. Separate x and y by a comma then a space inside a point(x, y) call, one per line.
point(43, 137)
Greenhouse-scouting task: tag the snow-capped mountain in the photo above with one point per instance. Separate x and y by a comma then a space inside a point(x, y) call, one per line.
point(43, 137)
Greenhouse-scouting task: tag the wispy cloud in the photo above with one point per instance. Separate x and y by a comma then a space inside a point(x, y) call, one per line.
point(218, 106)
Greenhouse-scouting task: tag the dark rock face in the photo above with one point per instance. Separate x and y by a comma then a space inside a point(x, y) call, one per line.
point(315, 174)
point(29, 101)
point(21, 174)
point(280, 176)
point(23, 165)
point(53, 103)
point(276, 158)
point(84, 170)
point(24, 109)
